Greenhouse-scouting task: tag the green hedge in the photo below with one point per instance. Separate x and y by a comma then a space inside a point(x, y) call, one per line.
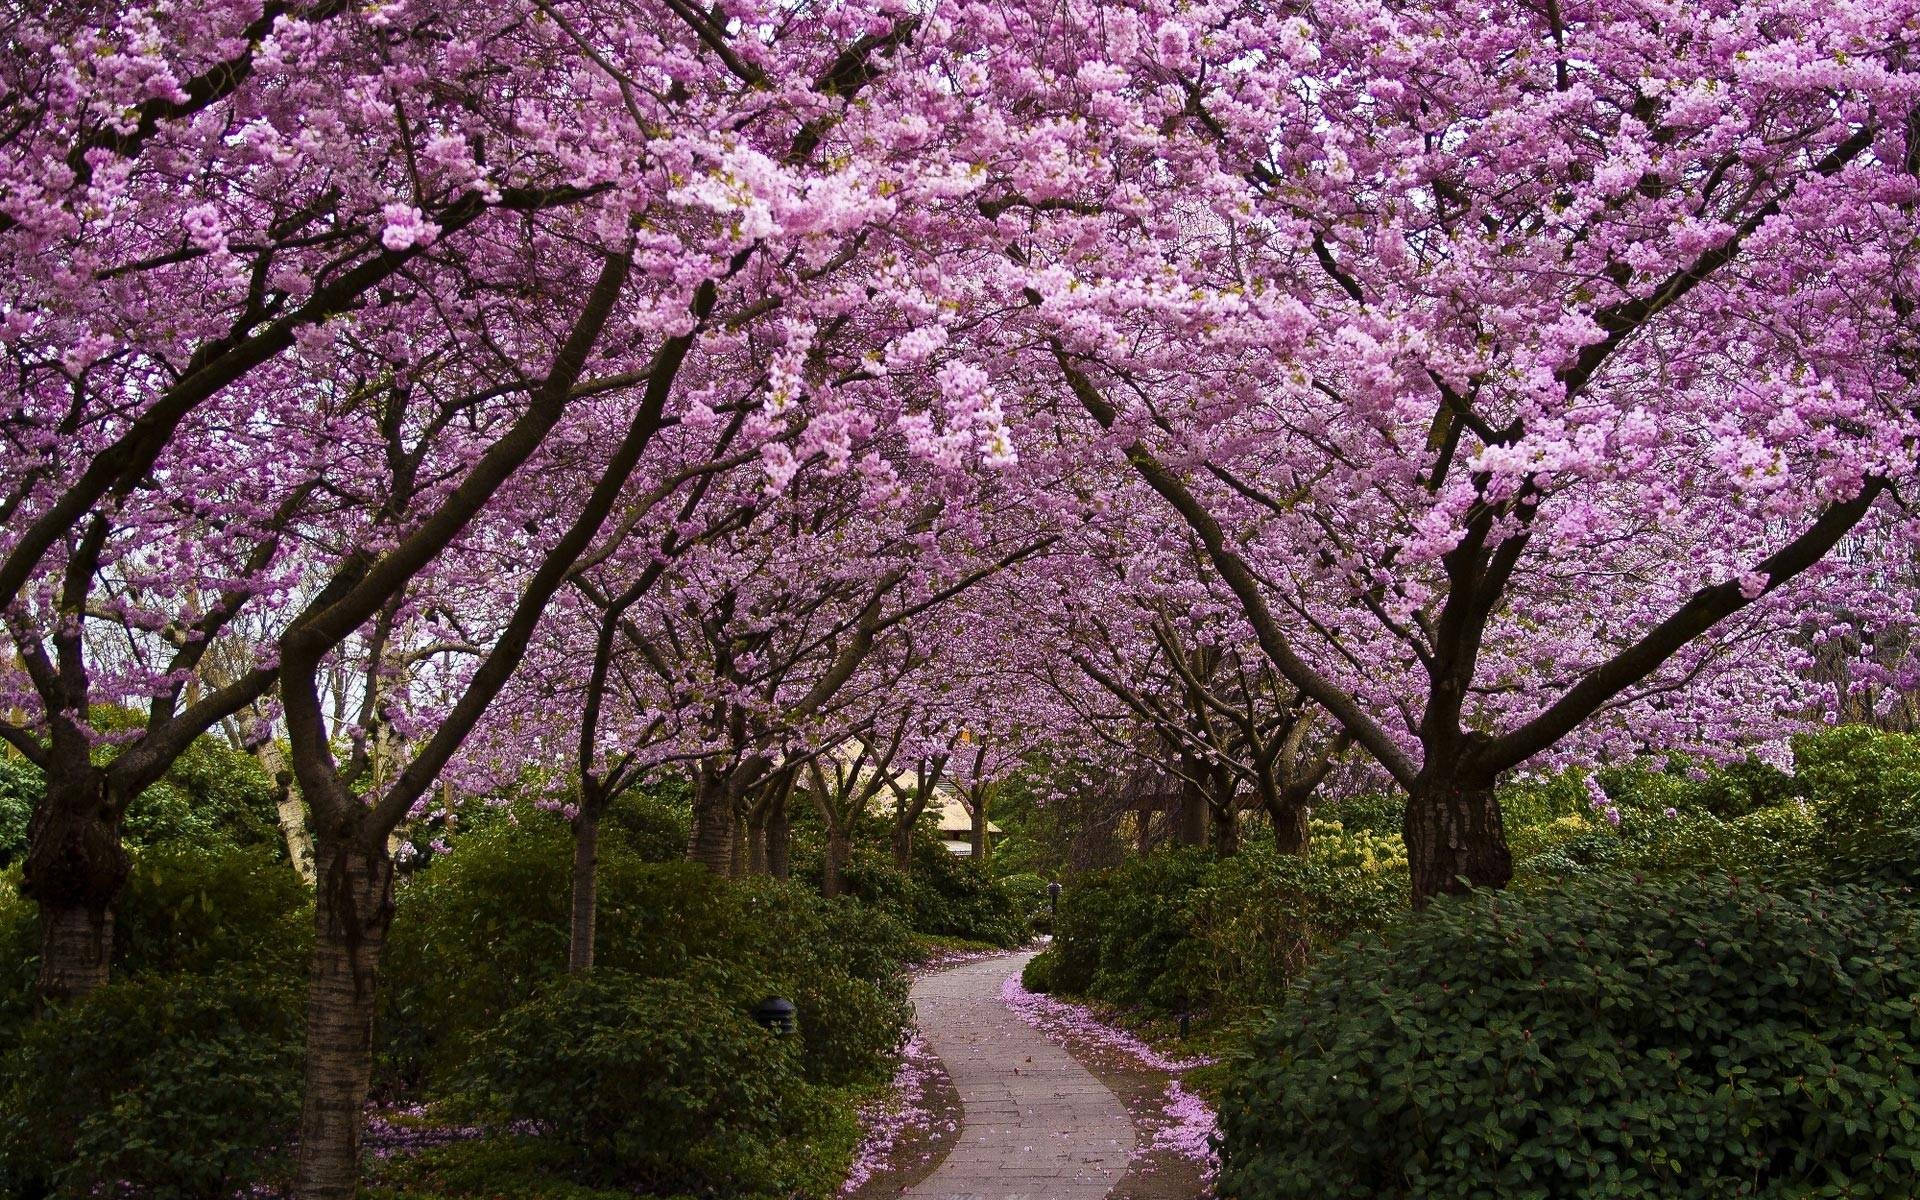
point(485, 927)
point(179, 1087)
point(1681, 1036)
point(662, 1083)
point(1184, 929)
point(1849, 811)
point(186, 908)
point(212, 795)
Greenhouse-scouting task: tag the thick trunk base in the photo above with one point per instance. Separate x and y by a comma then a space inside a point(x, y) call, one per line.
point(839, 850)
point(711, 844)
point(75, 869)
point(1291, 835)
point(1226, 831)
point(1456, 840)
point(1190, 817)
point(352, 911)
point(76, 949)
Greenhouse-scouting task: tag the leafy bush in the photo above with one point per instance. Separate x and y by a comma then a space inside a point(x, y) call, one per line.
point(955, 897)
point(1866, 789)
point(211, 795)
point(480, 931)
point(185, 908)
point(1037, 975)
point(942, 894)
point(1122, 934)
point(1379, 813)
point(196, 908)
point(1691, 1036)
point(1850, 811)
point(19, 956)
point(666, 1083)
point(1182, 929)
point(21, 786)
point(653, 823)
point(521, 1165)
point(183, 1086)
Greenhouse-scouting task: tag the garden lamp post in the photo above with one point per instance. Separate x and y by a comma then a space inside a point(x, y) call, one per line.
point(775, 1014)
point(1053, 896)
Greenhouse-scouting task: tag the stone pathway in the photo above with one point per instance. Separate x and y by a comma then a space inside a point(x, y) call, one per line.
point(1036, 1124)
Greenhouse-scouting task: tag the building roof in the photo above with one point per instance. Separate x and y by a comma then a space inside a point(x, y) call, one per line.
point(949, 815)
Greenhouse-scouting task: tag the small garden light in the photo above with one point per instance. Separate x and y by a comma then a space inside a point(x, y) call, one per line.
point(1053, 895)
point(775, 1014)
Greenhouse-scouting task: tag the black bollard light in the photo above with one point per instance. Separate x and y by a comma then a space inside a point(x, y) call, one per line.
point(775, 1014)
point(1186, 1024)
point(1053, 895)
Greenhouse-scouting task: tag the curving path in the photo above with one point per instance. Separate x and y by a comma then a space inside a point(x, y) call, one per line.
point(1036, 1125)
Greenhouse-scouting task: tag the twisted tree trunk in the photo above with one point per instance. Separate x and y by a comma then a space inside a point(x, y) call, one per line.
point(1454, 834)
point(75, 870)
point(757, 840)
point(1290, 832)
point(1190, 816)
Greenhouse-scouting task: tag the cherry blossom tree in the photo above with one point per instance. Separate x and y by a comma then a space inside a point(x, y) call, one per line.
point(1510, 365)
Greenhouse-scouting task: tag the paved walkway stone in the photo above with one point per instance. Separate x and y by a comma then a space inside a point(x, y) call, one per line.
point(1036, 1125)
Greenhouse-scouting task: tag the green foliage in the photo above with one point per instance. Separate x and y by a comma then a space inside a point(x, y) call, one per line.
point(666, 1083)
point(480, 931)
point(1849, 811)
point(1686, 1036)
point(1866, 787)
point(952, 896)
point(522, 1166)
point(1183, 929)
point(1378, 813)
point(185, 908)
point(942, 894)
point(653, 822)
point(1037, 975)
point(211, 795)
point(19, 957)
point(21, 786)
point(183, 1086)
point(1122, 934)
point(196, 908)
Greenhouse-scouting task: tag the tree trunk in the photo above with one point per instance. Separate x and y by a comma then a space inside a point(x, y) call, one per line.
point(76, 951)
point(1226, 829)
point(1190, 817)
point(839, 849)
point(586, 889)
point(353, 907)
point(757, 839)
point(1290, 833)
point(1143, 830)
point(737, 853)
point(292, 810)
point(982, 844)
point(75, 870)
point(903, 844)
point(779, 839)
point(1455, 838)
point(712, 842)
